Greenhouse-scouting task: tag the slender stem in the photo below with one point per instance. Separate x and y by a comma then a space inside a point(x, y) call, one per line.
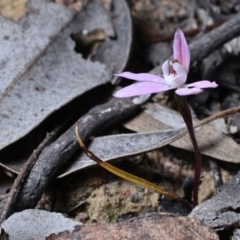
point(187, 117)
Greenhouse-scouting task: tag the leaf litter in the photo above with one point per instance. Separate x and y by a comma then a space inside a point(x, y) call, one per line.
point(29, 37)
point(156, 121)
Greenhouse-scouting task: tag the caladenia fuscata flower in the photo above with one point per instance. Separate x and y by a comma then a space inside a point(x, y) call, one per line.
point(174, 77)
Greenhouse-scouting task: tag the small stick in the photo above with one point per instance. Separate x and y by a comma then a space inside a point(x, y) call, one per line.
point(224, 113)
point(188, 33)
point(13, 194)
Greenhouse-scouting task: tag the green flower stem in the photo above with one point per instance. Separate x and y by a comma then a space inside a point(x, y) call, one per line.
point(187, 117)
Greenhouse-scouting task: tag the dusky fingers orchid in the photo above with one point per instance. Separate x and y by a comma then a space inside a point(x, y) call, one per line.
point(174, 76)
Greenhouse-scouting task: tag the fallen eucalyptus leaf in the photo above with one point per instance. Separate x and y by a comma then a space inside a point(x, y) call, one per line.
point(24, 41)
point(211, 142)
point(15, 167)
point(127, 145)
point(37, 224)
point(57, 77)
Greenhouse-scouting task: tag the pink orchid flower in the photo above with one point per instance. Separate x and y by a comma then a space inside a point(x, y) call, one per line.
point(174, 75)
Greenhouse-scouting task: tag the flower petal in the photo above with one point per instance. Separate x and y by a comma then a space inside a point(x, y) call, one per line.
point(188, 91)
point(165, 68)
point(140, 89)
point(176, 79)
point(146, 77)
point(203, 84)
point(181, 76)
point(181, 49)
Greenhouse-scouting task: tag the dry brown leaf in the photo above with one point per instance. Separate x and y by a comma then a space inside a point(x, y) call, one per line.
point(211, 142)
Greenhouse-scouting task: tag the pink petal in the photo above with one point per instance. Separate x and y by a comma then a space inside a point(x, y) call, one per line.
point(188, 91)
point(140, 89)
point(181, 49)
point(146, 77)
point(203, 84)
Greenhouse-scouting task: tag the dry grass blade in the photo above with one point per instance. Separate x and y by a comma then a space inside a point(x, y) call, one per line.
point(217, 115)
